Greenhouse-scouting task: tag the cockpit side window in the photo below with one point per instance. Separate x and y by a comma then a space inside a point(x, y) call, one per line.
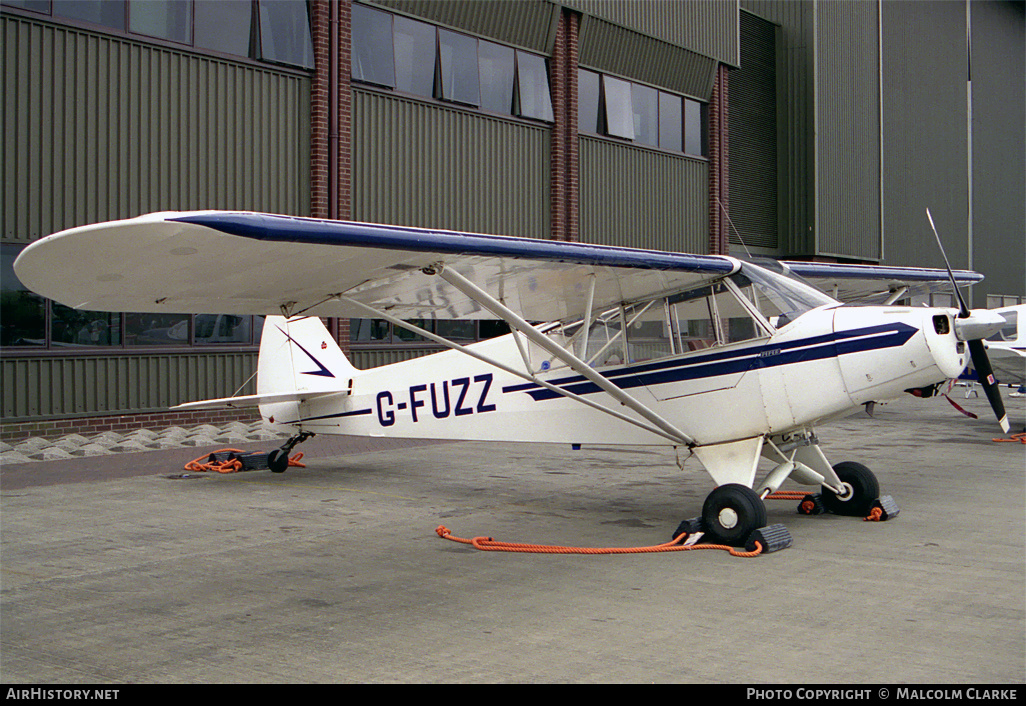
point(712, 316)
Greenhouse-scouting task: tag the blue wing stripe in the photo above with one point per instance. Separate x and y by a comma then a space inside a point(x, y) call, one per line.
point(307, 230)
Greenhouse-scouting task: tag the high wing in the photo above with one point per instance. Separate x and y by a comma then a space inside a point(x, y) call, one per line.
point(251, 263)
point(877, 284)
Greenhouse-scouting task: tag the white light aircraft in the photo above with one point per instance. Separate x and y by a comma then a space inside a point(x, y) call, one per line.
point(729, 360)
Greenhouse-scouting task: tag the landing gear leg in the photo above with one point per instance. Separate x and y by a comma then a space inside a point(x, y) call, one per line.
point(278, 460)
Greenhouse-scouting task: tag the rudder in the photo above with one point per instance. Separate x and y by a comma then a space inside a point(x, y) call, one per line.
point(299, 355)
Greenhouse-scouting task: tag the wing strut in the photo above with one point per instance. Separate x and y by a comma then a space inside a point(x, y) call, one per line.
point(378, 314)
point(576, 364)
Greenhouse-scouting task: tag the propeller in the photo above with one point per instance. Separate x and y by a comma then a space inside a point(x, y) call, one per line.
point(972, 327)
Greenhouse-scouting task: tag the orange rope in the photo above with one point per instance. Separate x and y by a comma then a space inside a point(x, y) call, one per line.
point(487, 544)
point(1021, 437)
point(203, 464)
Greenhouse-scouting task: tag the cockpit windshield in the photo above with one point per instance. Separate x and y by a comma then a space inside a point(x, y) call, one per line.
point(779, 298)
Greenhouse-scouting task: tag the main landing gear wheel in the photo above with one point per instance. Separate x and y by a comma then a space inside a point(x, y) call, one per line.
point(731, 513)
point(862, 489)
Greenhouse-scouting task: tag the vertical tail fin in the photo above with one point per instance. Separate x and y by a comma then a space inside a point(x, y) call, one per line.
point(298, 355)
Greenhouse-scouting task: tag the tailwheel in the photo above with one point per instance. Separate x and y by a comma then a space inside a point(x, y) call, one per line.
point(731, 513)
point(278, 460)
point(861, 491)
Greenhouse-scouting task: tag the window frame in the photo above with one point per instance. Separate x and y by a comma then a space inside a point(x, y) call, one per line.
point(253, 55)
point(617, 114)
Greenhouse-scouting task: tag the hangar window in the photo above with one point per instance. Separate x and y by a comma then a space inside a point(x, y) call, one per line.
point(281, 33)
point(532, 97)
point(414, 57)
point(28, 321)
point(647, 116)
point(165, 20)
point(461, 82)
point(379, 331)
point(373, 57)
point(223, 25)
point(497, 70)
point(393, 51)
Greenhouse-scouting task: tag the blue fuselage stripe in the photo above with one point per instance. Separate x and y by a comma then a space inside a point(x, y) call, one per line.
point(732, 361)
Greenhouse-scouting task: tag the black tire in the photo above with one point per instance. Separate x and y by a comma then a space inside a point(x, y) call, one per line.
point(278, 461)
point(731, 513)
point(864, 486)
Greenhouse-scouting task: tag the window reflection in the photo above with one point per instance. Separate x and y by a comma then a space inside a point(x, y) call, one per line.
point(156, 330)
point(496, 67)
point(670, 122)
point(109, 13)
point(166, 20)
point(588, 101)
point(646, 114)
point(223, 328)
point(533, 87)
point(224, 25)
point(22, 313)
point(619, 111)
point(459, 67)
point(75, 328)
point(414, 57)
point(373, 57)
point(285, 33)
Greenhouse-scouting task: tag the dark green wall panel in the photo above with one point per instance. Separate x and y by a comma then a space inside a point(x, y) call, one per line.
point(53, 387)
point(443, 167)
point(98, 128)
point(643, 198)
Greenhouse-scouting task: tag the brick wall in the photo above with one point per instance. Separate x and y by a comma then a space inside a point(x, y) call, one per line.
point(719, 183)
point(565, 166)
point(87, 426)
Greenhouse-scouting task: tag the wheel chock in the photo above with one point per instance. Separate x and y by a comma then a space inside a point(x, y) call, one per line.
point(883, 508)
point(771, 538)
point(689, 527)
point(811, 504)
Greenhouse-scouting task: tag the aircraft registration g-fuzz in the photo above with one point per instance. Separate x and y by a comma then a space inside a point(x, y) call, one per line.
point(730, 360)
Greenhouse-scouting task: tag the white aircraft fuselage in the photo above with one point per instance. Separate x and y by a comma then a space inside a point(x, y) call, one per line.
point(829, 362)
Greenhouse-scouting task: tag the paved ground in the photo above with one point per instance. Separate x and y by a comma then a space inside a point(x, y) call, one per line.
point(122, 569)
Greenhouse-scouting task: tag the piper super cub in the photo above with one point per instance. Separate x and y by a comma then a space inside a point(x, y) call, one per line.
point(731, 360)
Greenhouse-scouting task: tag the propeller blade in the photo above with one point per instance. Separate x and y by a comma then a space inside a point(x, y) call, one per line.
point(977, 349)
point(981, 361)
point(963, 309)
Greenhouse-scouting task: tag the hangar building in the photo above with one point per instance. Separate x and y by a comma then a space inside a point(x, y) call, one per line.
point(800, 129)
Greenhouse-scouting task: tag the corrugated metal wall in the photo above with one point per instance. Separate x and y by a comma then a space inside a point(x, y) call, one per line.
point(795, 119)
point(925, 129)
point(708, 27)
point(610, 48)
point(529, 24)
point(848, 130)
point(86, 385)
point(828, 114)
point(97, 128)
point(443, 167)
point(999, 155)
point(642, 198)
point(753, 138)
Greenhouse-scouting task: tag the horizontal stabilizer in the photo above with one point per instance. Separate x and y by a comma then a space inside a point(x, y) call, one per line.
point(244, 401)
